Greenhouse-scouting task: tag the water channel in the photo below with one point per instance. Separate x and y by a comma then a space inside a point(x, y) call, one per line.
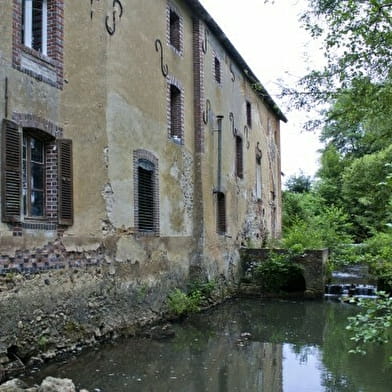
point(243, 345)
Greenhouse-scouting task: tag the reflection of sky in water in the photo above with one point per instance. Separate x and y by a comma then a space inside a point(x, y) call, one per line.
point(301, 371)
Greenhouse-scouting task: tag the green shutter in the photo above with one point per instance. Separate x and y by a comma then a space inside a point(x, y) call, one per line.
point(11, 172)
point(65, 182)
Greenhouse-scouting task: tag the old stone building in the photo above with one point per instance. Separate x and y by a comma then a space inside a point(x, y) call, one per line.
point(138, 148)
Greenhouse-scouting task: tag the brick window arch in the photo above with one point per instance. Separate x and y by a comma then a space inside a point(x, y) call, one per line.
point(146, 192)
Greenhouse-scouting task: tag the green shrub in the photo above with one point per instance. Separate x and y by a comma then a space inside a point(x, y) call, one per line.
point(277, 273)
point(373, 324)
point(181, 303)
point(378, 254)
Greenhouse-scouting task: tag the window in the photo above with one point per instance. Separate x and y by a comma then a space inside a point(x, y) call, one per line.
point(35, 25)
point(33, 174)
point(38, 39)
point(220, 213)
point(258, 178)
point(176, 110)
point(217, 69)
point(146, 192)
point(239, 167)
point(175, 40)
point(249, 114)
point(36, 175)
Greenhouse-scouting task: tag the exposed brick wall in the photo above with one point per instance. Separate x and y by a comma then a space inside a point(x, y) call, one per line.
point(53, 62)
point(175, 111)
point(49, 257)
point(147, 155)
point(51, 202)
point(198, 77)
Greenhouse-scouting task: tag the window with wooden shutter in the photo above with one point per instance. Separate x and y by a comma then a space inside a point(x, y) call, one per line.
point(239, 166)
point(217, 70)
point(220, 213)
point(65, 182)
point(11, 172)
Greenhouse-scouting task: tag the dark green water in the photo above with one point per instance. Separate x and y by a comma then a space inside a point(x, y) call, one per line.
point(293, 346)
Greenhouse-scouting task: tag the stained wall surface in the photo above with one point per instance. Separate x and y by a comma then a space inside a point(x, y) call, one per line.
point(108, 85)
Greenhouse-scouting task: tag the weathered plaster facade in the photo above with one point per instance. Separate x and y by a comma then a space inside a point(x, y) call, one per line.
point(132, 84)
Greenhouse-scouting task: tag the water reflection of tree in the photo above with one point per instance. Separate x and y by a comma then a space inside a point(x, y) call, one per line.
point(347, 372)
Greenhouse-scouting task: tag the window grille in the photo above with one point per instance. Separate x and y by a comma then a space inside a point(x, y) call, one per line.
point(239, 167)
point(217, 67)
point(146, 214)
point(220, 213)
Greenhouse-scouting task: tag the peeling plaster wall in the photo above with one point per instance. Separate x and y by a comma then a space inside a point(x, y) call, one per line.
point(115, 101)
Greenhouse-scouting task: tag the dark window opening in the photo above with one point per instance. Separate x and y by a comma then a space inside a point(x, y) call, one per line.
point(249, 114)
point(239, 168)
point(175, 113)
point(175, 37)
point(258, 178)
point(146, 210)
point(217, 67)
point(220, 213)
point(37, 25)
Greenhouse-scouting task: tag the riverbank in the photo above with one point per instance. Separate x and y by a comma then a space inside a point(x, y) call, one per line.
point(57, 313)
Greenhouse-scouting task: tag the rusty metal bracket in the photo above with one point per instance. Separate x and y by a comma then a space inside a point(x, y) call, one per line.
point(112, 29)
point(206, 113)
point(164, 67)
point(246, 134)
point(204, 45)
point(232, 72)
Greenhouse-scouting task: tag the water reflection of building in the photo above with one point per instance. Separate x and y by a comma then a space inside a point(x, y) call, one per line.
point(272, 367)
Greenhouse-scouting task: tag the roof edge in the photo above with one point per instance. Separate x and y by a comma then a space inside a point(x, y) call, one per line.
point(257, 86)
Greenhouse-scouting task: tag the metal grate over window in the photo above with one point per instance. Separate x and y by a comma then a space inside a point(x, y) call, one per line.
point(239, 166)
point(146, 212)
point(220, 213)
point(217, 67)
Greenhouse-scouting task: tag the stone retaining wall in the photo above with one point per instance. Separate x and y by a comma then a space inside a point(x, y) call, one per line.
point(313, 262)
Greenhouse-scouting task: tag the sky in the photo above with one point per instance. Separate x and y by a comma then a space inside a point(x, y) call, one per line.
point(270, 39)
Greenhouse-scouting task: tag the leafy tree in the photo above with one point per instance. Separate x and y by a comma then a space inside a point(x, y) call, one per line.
point(299, 183)
point(367, 193)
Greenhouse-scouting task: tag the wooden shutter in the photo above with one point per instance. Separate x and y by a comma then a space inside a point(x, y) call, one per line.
point(11, 173)
point(220, 213)
point(238, 157)
point(146, 218)
point(65, 182)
